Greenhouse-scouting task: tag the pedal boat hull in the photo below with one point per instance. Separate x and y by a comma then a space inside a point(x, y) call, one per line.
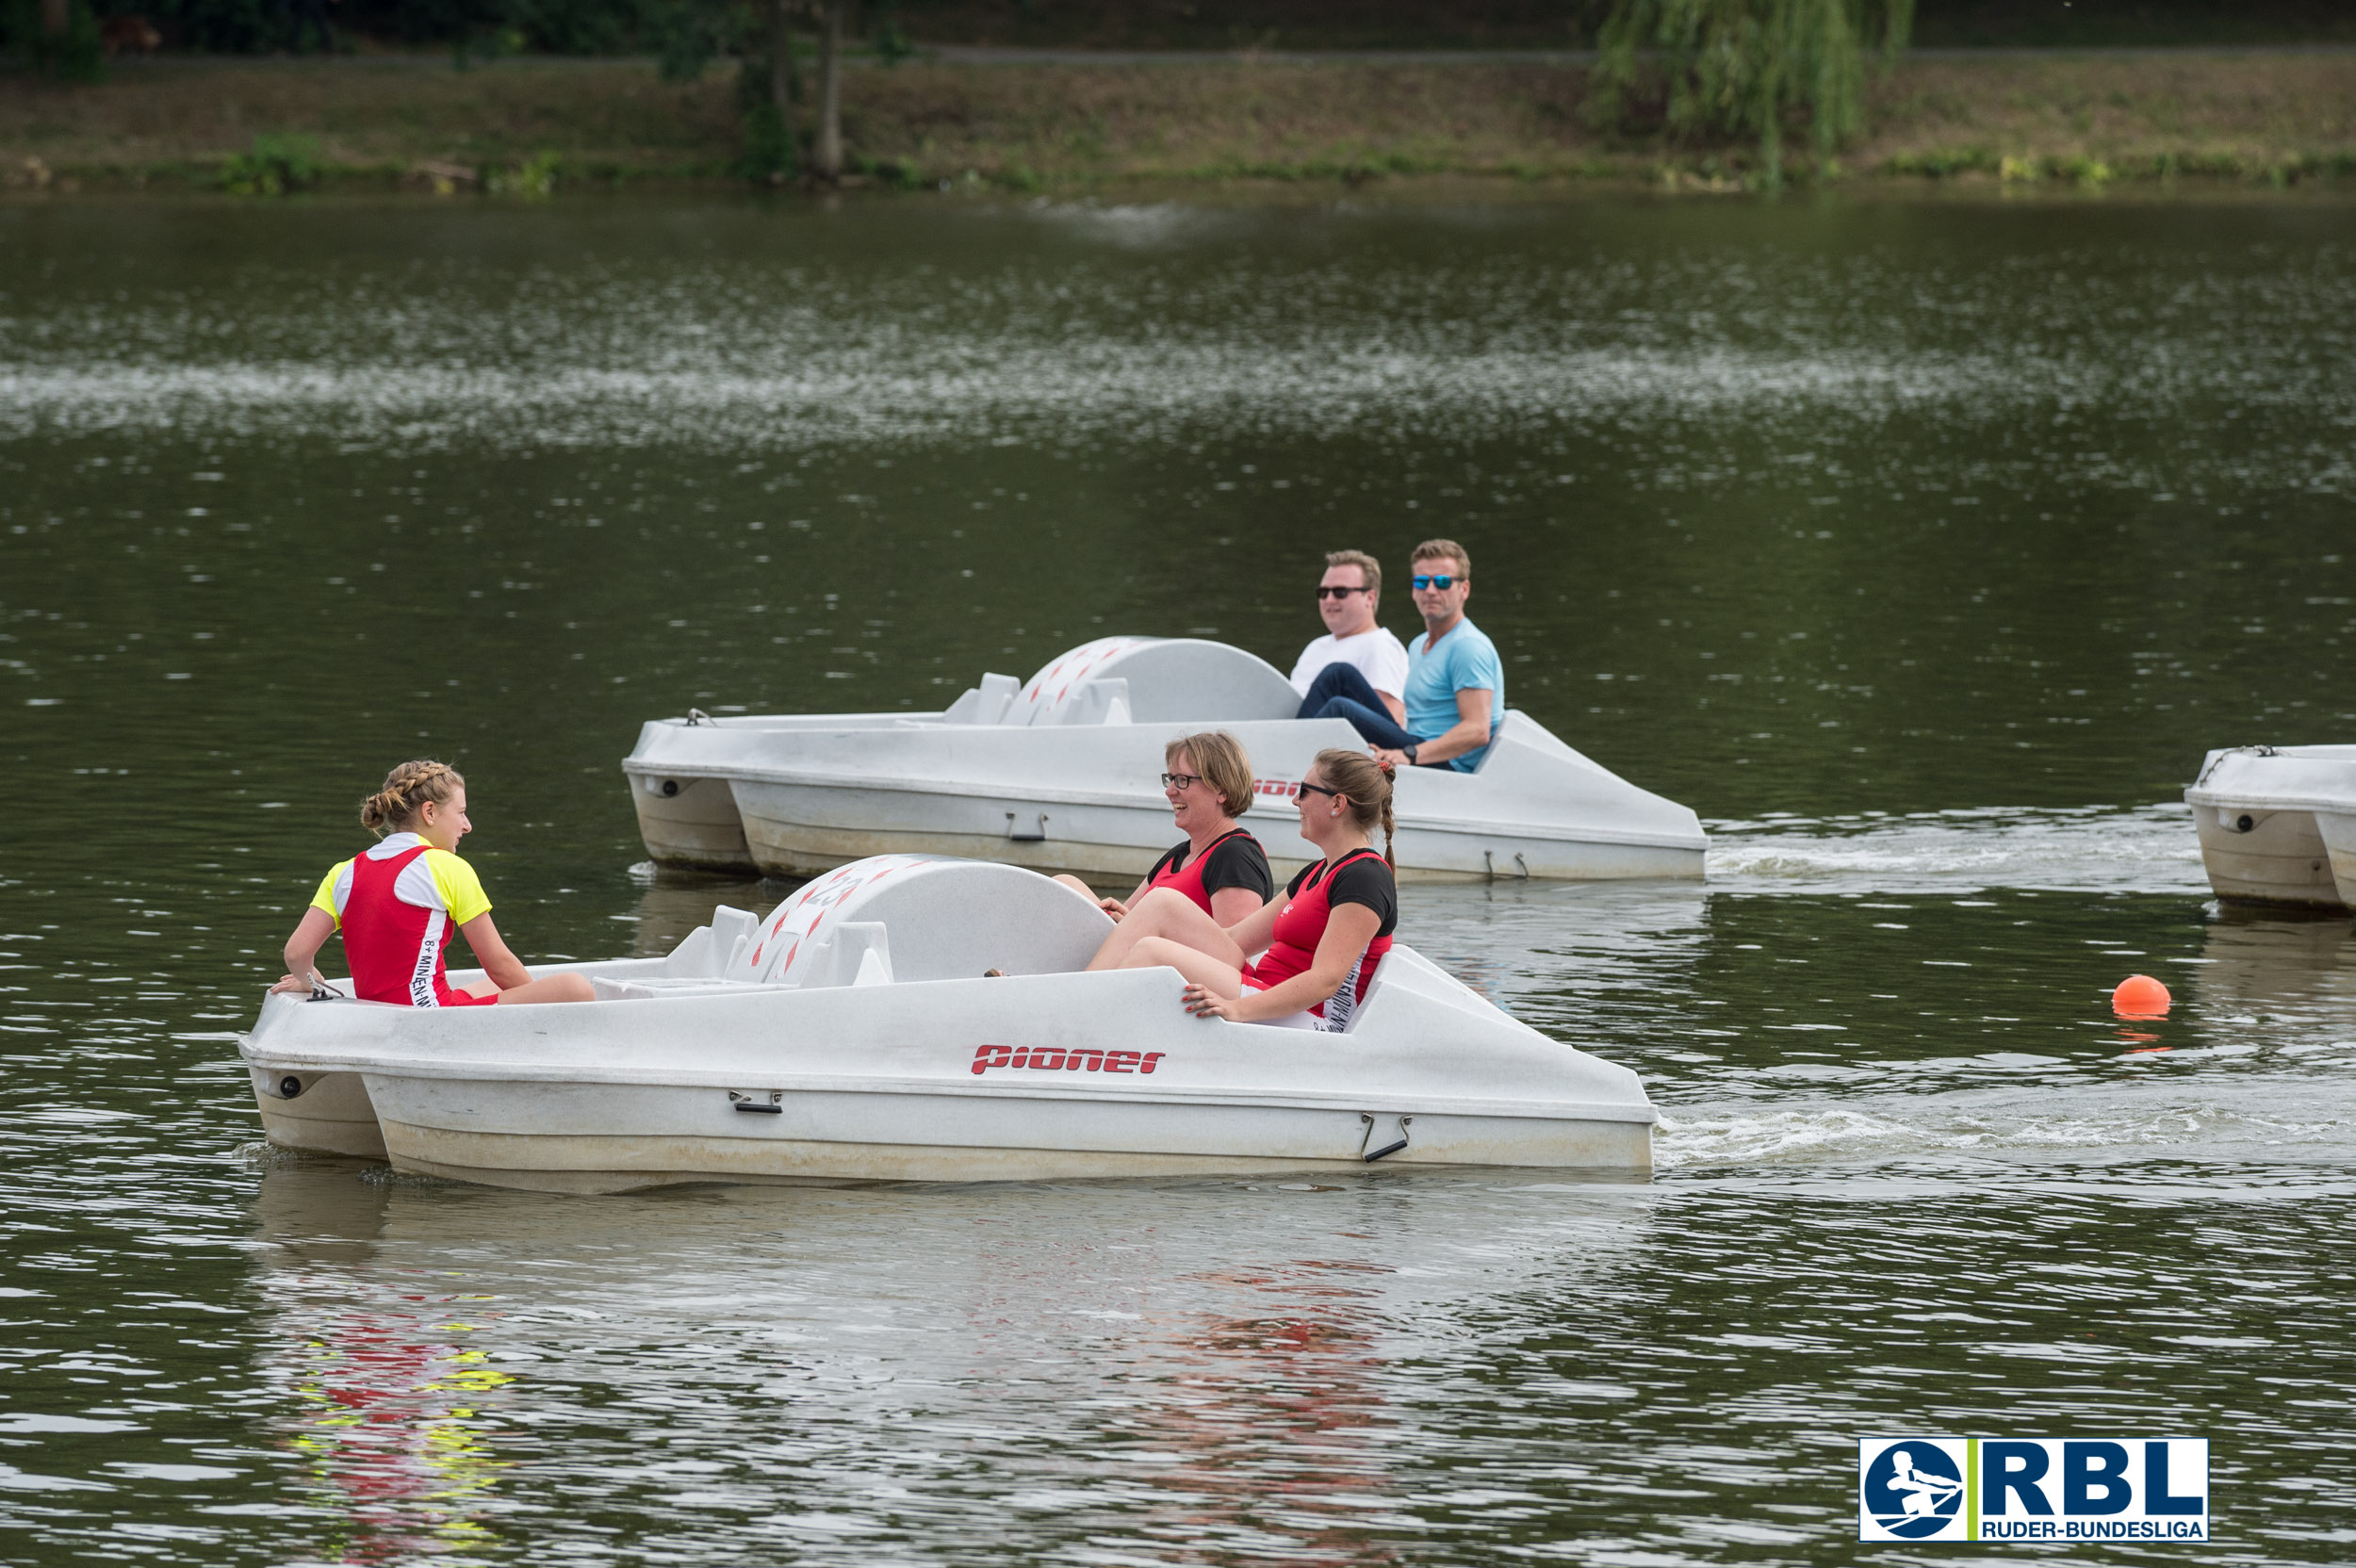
point(2278, 825)
point(685, 1074)
point(1070, 783)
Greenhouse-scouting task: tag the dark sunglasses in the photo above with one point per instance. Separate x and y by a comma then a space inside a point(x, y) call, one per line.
point(1443, 581)
point(1321, 790)
point(1325, 593)
point(1180, 781)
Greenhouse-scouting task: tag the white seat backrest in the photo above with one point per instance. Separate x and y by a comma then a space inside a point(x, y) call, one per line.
point(1162, 680)
point(923, 918)
point(983, 704)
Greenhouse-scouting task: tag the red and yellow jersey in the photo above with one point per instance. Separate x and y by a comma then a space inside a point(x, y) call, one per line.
point(435, 880)
point(397, 905)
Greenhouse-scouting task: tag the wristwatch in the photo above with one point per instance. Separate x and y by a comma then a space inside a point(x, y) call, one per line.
point(1408, 751)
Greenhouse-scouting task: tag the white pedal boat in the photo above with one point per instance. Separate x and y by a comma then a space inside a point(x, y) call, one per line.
point(1062, 775)
point(2277, 825)
point(850, 1037)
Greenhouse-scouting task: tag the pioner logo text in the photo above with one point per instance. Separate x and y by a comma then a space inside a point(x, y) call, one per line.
point(1048, 1058)
point(2033, 1488)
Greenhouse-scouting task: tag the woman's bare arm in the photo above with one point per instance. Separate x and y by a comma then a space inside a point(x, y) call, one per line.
point(1232, 906)
point(1348, 928)
point(503, 967)
point(302, 951)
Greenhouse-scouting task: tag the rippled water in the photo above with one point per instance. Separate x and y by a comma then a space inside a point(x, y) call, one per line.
point(1922, 548)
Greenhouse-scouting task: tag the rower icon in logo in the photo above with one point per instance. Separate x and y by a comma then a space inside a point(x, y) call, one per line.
point(1914, 1490)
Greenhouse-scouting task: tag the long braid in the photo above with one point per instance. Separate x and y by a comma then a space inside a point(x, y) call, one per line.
point(406, 790)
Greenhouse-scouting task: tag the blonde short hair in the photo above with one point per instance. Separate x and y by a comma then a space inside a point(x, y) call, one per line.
point(1365, 563)
point(1434, 550)
point(1223, 764)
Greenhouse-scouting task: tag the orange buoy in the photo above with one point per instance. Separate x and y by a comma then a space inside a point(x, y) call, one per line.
point(2139, 996)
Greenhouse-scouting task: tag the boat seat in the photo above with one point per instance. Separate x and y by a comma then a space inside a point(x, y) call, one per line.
point(1120, 680)
point(898, 918)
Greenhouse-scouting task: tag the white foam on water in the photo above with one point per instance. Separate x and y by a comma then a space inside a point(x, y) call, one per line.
point(728, 358)
point(2015, 1123)
point(2146, 849)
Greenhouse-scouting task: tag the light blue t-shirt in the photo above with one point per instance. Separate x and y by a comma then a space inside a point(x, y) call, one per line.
point(1466, 658)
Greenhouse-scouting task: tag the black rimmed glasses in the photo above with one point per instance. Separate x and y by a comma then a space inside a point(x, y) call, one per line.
point(1180, 781)
point(1325, 592)
point(1443, 581)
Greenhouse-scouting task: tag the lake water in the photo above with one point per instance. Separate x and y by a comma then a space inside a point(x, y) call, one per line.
point(1921, 547)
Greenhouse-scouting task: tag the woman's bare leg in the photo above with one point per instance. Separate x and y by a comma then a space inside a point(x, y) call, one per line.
point(1168, 913)
point(1112, 906)
point(552, 987)
point(1220, 979)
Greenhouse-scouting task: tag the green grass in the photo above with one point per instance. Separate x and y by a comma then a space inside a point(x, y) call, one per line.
point(527, 128)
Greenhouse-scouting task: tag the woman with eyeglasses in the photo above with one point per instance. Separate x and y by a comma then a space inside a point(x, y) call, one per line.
point(1218, 868)
point(398, 902)
point(1322, 940)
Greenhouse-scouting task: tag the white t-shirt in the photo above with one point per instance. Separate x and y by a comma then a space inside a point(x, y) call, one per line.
point(1378, 655)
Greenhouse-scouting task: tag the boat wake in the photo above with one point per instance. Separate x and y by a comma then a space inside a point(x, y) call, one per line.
point(2095, 848)
point(2010, 1126)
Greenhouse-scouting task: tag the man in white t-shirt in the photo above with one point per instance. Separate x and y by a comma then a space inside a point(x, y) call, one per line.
point(1356, 658)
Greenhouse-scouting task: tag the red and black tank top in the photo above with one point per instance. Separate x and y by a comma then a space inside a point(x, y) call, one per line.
point(1300, 926)
point(1234, 859)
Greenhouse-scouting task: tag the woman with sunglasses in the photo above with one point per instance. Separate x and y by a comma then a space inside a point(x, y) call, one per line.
point(1322, 940)
point(1218, 868)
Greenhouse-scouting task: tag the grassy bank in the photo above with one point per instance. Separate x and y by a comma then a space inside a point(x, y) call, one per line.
point(178, 123)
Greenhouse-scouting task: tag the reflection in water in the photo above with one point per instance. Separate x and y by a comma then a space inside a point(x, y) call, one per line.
point(391, 1398)
point(1215, 1368)
point(2263, 967)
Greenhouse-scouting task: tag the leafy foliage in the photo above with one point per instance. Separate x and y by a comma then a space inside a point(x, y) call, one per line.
point(73, 56)
point(274, 166)
point(1745, 68)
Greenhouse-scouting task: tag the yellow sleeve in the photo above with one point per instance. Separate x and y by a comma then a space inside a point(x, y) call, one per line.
point(461, 889)
point(325, 897)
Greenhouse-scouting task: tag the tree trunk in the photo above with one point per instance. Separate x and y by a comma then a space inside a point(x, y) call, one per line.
point(827, 157)
point(53, 14)
point(785, 83)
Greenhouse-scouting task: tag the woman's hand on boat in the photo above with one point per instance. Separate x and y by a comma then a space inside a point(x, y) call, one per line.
point(1114, 907)
point(291, 983)
point(1204, 1002)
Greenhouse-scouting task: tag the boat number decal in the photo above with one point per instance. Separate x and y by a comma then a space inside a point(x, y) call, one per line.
point(1046, 1058)
point(1282, 789)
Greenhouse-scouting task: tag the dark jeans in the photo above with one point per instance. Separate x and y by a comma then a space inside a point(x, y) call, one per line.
point(1341, 691)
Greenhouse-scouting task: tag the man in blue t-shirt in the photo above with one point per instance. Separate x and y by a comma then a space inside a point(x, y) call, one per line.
point(1455, 695)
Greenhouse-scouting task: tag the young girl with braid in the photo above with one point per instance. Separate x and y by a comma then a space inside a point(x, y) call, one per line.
point(398, 903)
point(1323, 935)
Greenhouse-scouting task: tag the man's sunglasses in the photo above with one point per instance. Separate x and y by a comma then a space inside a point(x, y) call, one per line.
point(1443, 581)
point(1325, 593)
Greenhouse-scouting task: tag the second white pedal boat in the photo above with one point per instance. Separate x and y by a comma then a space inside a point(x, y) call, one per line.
point(1061, 774)
point(851, 1036)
